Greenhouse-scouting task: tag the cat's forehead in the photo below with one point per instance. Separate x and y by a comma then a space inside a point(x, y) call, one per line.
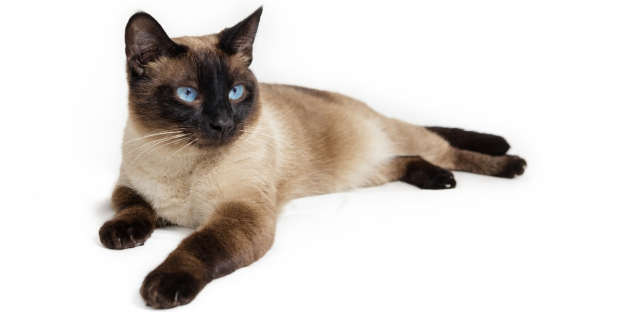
point(207, 48)
point(201, 44)
point(202, 54)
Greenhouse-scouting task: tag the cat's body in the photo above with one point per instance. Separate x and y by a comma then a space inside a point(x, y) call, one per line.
point(306, 142)
point(226, 166)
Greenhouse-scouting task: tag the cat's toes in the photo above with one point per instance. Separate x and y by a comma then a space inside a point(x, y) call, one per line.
point(122, 233)
point(514, 166)
point(164, 290)
point(438, 180)
point(428, 176)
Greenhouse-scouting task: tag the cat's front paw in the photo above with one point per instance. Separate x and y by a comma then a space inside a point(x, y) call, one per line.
point(164, 290)
point(122, 233)
point(513, 166)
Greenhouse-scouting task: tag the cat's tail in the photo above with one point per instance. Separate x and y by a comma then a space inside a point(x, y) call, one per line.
point(483, 143)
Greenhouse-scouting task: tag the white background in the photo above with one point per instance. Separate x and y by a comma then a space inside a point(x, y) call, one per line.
point(546, 75)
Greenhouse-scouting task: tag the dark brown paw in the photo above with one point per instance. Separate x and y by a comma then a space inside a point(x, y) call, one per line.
point(514, 166)
point(428, 176)
point(164, 290)
point(122, 233)
point(438, 180)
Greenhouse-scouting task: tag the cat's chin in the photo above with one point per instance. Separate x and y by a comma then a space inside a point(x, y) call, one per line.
point(210, 143)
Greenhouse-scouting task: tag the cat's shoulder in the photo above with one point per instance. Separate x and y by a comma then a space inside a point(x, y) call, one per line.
point(309, 99)
point(288, 91)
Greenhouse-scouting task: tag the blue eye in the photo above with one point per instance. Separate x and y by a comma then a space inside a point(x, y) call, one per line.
point(187, 94)
point(236, 92)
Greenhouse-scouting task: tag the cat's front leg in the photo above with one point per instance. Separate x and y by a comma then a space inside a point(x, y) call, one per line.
point(132, 225)
point(236, 235)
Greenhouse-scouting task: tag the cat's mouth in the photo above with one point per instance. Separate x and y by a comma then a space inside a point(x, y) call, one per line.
point(214, 140)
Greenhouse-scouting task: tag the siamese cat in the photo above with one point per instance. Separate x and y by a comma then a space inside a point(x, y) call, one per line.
point(208, 147)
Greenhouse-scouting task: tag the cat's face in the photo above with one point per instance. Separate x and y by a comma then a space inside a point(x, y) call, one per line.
point(199, 89)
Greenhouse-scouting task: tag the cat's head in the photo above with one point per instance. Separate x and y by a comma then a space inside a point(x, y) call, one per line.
point(199, 89)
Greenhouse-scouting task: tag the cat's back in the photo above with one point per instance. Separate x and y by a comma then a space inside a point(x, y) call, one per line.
point(293, 98)
point(318, 112)
point(340, 136)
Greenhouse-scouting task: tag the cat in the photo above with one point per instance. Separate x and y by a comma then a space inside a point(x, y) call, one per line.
point(208, 147)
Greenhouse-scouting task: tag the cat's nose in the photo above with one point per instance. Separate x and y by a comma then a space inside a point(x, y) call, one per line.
point(222, 125)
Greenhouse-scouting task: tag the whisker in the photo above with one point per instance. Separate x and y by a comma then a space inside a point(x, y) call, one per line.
point(151, 149)
point(194, 141)
point(149, 144)
point(151, 135)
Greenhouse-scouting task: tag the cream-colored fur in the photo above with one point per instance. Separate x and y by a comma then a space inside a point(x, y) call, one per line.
point(305, 143)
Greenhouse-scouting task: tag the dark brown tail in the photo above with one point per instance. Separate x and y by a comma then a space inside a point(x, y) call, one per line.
point(483, 143)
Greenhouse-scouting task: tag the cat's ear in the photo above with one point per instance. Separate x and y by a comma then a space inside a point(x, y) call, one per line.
point(238, 40)
point(146, 41)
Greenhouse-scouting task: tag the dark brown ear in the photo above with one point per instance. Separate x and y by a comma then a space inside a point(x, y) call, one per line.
point(239, 39)
point(146, 41)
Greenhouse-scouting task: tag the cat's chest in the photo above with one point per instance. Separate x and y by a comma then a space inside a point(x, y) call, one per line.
point(172, 193)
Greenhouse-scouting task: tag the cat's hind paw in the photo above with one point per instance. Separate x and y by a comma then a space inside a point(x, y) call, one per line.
point(427, 176)
point(514, 166)
point(439, 179)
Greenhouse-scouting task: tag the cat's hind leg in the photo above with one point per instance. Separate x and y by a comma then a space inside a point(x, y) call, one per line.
point(132, 225)
point(421, 173)
point(411, 140)
point(506, 166)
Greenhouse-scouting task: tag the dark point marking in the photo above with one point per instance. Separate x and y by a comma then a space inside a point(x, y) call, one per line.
point(235, 237)
point(146, 41)
point(512, 167)
point(175, 282)
point(239, 38)
point(132, 225)
point(473, 141)
point(426, 175)
point(505, 166)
